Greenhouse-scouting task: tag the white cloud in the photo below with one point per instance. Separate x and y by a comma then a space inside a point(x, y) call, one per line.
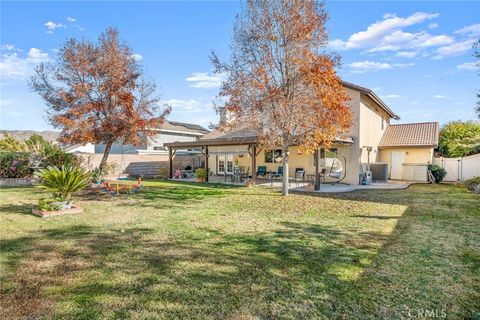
point(190, 104)
point(71, 19)
point(440, 96)
point(388, 35)
point(9, 47)
point(52, 26)
point(36, 55)
point(406, 54)
point(205, 81)
point(137, 57)
point(471, 30)
point(366, 66)
point(468, 66)
point(14, 66)
point(454, 49)
point(377, 31)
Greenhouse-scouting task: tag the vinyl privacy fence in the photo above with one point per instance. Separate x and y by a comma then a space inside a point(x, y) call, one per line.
point(460, 169)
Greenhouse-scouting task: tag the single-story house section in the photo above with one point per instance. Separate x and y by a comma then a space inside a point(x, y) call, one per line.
point(408, 148)
point(371, 145)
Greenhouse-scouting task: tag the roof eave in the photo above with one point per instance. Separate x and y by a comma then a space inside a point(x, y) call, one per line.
point(372, 96)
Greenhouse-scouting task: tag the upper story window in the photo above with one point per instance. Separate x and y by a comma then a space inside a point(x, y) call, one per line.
point(383, 123)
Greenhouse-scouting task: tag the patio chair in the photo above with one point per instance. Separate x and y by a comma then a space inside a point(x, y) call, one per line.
point(299, 176)
point(277, 175)
point(261, 171)
point(300, 173)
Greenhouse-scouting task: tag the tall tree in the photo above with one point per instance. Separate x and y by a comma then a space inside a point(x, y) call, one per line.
point(459, 138)
point(476, 54)
point(280, 84)
point(95, 92)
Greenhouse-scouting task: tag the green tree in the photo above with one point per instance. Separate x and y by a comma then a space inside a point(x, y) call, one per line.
point(459, 138)
point(10, 144)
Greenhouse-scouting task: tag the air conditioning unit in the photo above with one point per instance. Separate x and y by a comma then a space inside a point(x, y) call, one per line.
point(379, 171)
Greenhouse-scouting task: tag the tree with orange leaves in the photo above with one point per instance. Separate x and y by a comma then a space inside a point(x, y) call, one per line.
point(280, 85)
point(95, 92)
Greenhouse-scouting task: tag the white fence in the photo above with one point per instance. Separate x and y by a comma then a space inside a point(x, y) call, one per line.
point(460, 169)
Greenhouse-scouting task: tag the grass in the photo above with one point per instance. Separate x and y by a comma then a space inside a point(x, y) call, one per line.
point(191, 251)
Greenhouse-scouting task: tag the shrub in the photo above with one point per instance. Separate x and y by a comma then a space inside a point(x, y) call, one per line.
point(438, 172)
point(15, 165)
point(473, 184)
point(54, 156)
point(49, 204)
point(10, 144)
point(99, 174)
point(63, 182)
point(164, 173)
point(201, 173)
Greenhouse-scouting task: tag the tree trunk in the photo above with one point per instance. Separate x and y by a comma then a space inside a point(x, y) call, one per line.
point(108, 146)
point(285, 172)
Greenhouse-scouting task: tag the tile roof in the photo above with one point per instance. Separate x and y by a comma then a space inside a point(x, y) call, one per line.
point(424, 134)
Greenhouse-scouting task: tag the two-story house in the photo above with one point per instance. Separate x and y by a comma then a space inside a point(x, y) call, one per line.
point(391, 151)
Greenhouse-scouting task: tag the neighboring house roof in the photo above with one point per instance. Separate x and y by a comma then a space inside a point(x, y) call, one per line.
point(72, 147)
point(189, 126)
point(423, 134)
point(372, 96)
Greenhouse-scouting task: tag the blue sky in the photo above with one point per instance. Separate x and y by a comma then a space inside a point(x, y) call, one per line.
point(416, 55)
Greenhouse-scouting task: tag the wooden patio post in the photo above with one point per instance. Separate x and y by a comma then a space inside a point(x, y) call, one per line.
point(317, 167)
point(206, 163)
point(170, 162)
point(253, 155)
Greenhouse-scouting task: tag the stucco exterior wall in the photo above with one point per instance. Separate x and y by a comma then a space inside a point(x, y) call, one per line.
point(373, 123)
point(296, 160)
point(415, 163)
point(412, 155)
point(352, 152)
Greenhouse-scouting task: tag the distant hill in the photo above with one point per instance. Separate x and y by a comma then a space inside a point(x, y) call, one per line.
point(23, 135)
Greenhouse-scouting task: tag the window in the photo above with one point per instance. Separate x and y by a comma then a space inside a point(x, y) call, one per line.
point(221, 165)
point(327, 157)
point(328, 153)
point(383, 123)
point(273, 156)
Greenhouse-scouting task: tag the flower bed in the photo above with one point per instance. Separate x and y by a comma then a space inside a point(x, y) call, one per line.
point(42, 213)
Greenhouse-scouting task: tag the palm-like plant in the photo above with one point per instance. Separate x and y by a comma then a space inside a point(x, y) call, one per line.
point(65, 181)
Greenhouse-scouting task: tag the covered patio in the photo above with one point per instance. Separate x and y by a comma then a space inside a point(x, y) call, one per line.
point(237, 158)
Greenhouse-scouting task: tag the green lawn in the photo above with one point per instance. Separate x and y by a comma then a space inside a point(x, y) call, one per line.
point(189, 251)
